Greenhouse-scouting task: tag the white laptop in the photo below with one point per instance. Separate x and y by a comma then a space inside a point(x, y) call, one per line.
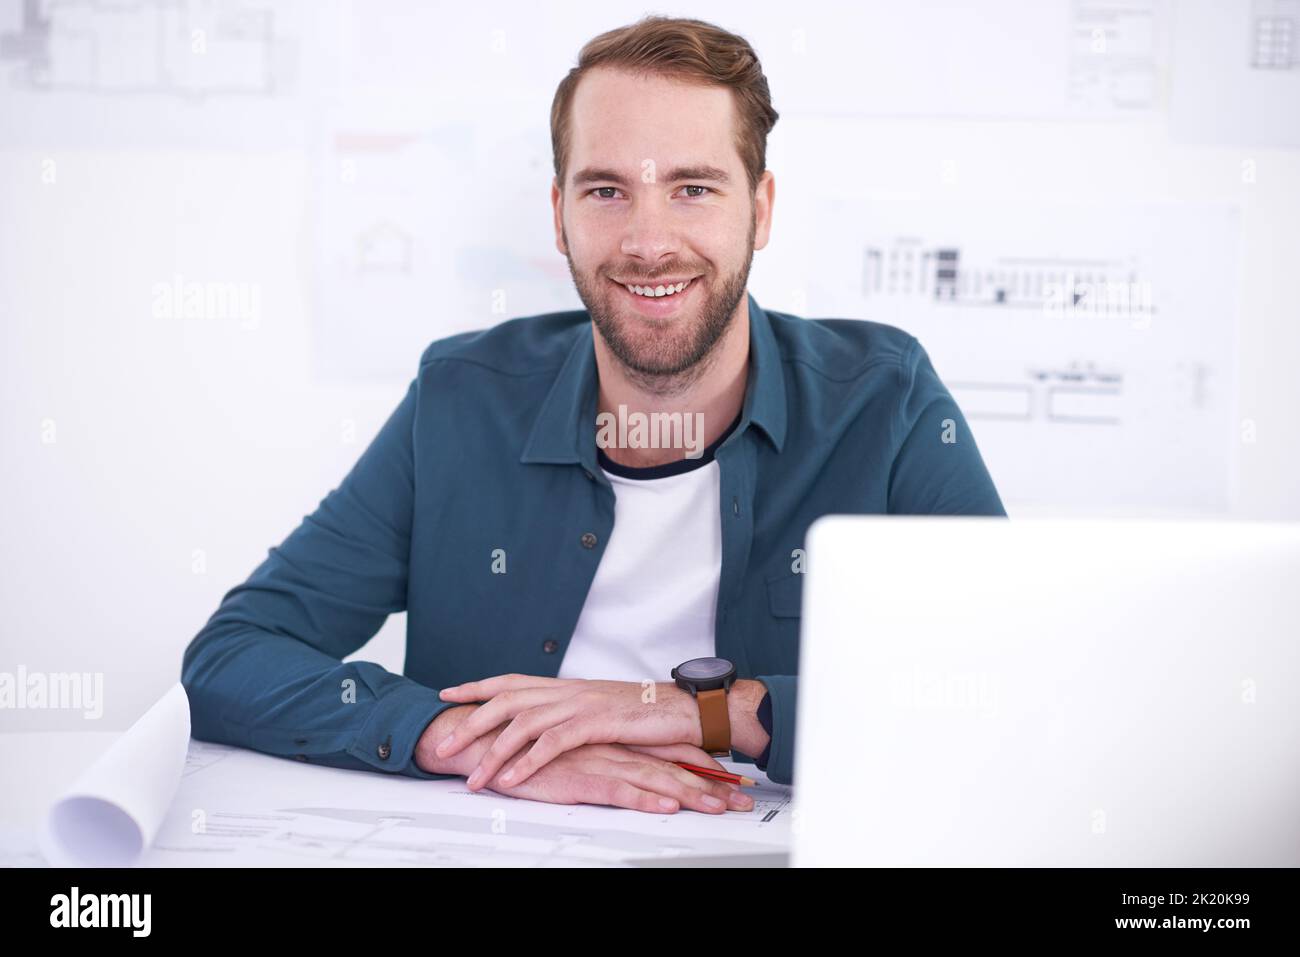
point(1004, 692)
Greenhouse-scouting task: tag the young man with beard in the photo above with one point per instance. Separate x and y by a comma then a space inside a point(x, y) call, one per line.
point(584, 613)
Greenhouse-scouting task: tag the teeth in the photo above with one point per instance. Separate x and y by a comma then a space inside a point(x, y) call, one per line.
point(655, 292)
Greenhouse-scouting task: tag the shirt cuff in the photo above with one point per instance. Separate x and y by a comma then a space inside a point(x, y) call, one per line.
point(394, 726)
point(765, 719)
point(784, 692)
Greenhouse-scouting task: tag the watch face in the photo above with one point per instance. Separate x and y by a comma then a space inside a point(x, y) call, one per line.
point(702, 669)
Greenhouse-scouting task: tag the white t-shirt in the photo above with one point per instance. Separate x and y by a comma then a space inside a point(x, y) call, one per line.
point(652, 602)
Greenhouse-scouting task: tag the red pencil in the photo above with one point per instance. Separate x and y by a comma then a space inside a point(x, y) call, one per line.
point(716, 775)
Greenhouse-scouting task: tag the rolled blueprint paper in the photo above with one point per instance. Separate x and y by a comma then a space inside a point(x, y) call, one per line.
point(114, 810)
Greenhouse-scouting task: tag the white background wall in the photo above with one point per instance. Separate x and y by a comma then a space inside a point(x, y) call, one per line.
point(149, 463)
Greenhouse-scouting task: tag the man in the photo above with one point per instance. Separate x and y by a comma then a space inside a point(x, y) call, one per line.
point(587, 605)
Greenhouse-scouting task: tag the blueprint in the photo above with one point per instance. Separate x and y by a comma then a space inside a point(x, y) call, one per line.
point(158, 798)
point(238, 808)
point(1091, 346)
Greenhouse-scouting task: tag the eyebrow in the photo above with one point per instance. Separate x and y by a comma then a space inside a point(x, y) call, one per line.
point(593, 174)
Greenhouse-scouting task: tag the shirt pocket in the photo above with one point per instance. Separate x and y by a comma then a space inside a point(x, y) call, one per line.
point(785, 595)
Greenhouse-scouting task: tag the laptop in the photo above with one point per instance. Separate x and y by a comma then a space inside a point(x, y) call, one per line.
point(1049, 692)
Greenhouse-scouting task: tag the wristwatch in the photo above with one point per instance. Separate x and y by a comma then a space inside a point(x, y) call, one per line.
point(709, 679)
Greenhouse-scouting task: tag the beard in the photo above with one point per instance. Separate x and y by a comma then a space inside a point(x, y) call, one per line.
point(664, 357)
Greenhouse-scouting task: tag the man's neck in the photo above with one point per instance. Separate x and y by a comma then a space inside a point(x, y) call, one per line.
point(715, 393)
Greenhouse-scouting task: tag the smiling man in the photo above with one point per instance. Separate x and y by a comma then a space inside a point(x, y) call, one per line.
point(592, 598)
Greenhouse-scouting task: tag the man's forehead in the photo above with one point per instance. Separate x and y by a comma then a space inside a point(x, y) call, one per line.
point(619, 121)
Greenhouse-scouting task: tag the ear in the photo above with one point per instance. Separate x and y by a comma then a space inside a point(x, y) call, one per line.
point(557, 207)
point(764, 197)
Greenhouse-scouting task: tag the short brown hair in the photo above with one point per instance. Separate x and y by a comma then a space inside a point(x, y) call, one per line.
point(690, 50)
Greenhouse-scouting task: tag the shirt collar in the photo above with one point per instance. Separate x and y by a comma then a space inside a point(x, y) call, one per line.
point(564, 431)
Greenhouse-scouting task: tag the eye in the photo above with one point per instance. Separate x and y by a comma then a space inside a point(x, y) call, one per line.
point(705, 189)
point(601, 189)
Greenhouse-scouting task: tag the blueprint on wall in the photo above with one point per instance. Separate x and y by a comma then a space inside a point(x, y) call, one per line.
point(1092, 348)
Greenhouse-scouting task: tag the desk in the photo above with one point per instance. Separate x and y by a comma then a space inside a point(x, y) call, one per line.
point(235, 807)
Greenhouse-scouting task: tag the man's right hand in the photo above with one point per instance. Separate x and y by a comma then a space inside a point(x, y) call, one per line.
point(642, 778)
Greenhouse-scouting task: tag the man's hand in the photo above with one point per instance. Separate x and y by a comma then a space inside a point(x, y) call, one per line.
point(642, 778)
point(563, 714)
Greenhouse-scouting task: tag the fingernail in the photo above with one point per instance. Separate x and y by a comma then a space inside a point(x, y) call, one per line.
point(508, 777)
point(444, 746)
point(667, 804)
point(742, 801)
point(711, 801)
point(474, 778)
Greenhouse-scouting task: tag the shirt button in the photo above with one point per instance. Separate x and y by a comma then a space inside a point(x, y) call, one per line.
point(588, 540)
point(384, 750)
point(550, 646)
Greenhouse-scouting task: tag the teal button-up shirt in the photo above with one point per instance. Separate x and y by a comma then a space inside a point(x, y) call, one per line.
point(491, 457)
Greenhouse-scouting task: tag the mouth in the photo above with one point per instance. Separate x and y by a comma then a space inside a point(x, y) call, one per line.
point(655, 299)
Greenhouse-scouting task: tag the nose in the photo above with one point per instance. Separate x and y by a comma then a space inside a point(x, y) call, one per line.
point(650, 234)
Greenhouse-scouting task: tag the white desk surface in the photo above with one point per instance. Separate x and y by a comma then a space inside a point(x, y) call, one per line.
point(235, 807)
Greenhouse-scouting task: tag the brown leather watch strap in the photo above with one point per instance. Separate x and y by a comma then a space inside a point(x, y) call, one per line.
point(715, 721)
